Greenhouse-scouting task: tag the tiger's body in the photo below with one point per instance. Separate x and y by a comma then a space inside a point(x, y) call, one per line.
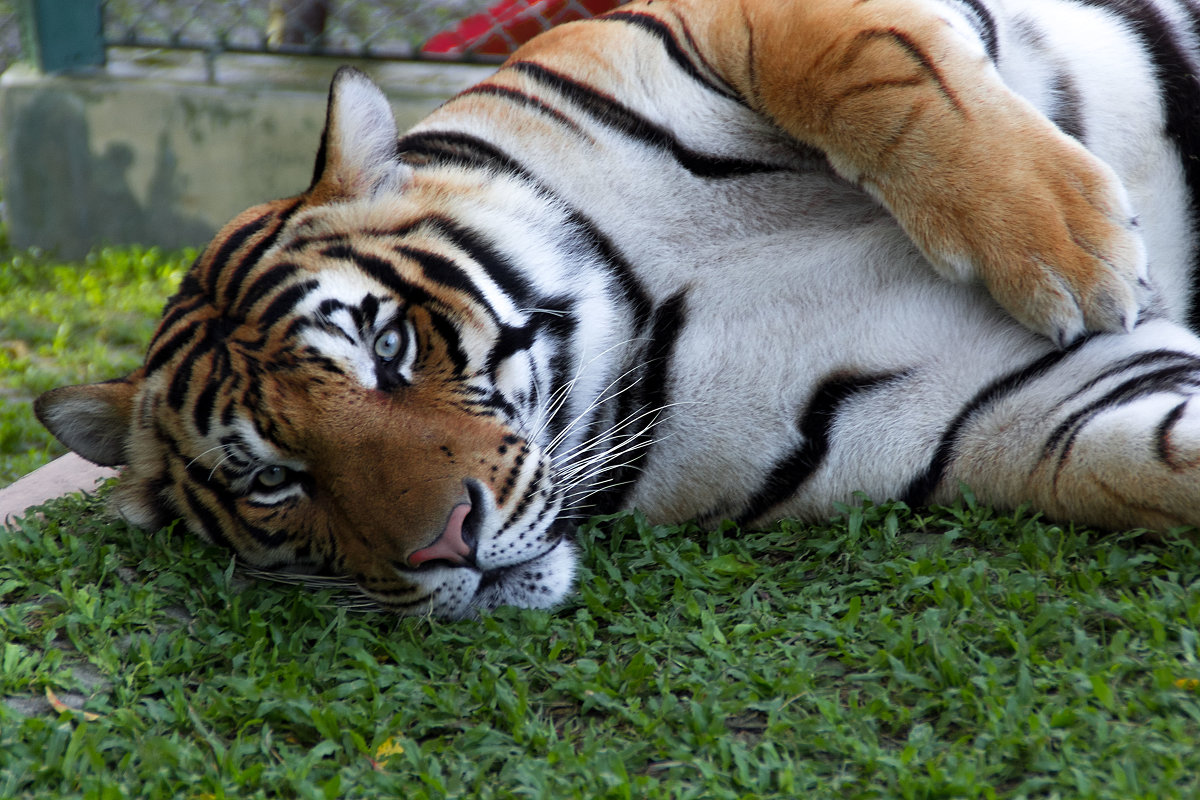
point(693, 257)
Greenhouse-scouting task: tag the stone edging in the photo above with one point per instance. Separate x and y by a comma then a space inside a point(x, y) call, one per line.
point(66, 474)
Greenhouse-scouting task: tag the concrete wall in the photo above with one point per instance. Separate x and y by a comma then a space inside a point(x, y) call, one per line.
point(162, 148)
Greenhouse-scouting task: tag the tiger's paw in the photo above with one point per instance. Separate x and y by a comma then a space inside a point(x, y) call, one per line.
point(1049, 230)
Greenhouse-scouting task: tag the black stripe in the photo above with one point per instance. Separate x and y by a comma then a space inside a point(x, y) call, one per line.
point(284, 303)
point(648, 391)
point(448, 331)
point(445, 272)
point(498, 266)
point(1160, 357)
point(227, 248)
point(664, 34)
point(261, 286)
point(189, 297)
point(227, 500)
point(1163, 431)
point(213, 334)
point(1177, 71)
point(203, 407)
point(250, 260)
point(561, 326)
point(325, 310)
point(511, 281)
point(921, 488)
point(302, 242)
point(366, 313)
point(815, 425)
point(209, 523)
point(183, 377)
point(381, 271)
point(1171, 379)
point(510, 341)
point(464, 150)
point(1066, 109)
point(607, 111)
point(461, 149)
point(634, 294)
point(1067, 112)
point(985, 25)
point(523, 99)
point(162, 352)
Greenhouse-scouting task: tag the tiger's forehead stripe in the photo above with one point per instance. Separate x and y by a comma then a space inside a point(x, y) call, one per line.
point(224, 254)
point(379, 270)
point(445, 272)
point(284, 302)
point(262, 285)
point(236, 277)
point(451, 253)
point(505, 289)
point(216, 280)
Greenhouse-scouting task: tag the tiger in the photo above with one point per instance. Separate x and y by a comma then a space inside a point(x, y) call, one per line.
point(710, 259)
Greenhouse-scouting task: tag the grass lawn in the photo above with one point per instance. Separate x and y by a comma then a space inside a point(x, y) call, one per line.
point(888, 654)
point(71, 323)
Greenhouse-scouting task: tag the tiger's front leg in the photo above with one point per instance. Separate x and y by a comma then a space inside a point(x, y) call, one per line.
point(903, 98)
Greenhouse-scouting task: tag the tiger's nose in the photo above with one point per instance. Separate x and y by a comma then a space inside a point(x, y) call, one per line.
point(451, 546)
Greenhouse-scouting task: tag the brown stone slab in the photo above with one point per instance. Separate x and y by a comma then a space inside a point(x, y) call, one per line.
point(70, 473)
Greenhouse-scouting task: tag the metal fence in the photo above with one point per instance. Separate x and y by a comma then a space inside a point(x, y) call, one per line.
point(461, 30)
point(348, 28)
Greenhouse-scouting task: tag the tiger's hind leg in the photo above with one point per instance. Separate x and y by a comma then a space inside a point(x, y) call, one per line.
point(1118, 447)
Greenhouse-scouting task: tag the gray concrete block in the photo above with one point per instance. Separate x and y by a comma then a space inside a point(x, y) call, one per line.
point(164, 147)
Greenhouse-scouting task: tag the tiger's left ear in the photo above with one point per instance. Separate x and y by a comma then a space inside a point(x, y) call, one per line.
point(93, 419)
point(358, 156)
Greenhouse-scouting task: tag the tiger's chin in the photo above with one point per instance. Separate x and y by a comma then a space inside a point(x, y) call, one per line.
point(542, 582)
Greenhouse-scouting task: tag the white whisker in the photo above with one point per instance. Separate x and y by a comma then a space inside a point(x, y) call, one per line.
point(599, 400)
point(559, 396)
point(619, 426)
point(206, 452)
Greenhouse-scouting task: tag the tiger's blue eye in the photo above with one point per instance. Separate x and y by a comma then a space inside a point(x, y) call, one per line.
point(387, 346)
point(272, 477)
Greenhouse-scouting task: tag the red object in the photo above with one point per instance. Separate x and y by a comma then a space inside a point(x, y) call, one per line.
point(509, 24)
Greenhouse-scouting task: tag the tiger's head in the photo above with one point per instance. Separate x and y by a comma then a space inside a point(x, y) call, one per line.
point(334, 388)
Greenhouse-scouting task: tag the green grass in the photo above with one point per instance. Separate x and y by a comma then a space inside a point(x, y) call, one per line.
point(66, 323)
point(889, 654)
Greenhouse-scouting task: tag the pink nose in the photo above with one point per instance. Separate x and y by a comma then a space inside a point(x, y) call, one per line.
point(450, 546)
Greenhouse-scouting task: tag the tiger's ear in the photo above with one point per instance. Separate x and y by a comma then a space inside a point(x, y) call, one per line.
point(93, 419)
point(358, 156)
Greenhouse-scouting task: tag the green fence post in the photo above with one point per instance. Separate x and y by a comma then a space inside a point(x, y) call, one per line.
point(62, 34)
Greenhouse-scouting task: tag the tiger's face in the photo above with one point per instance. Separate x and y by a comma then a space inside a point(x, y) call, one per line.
point(330, 390)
